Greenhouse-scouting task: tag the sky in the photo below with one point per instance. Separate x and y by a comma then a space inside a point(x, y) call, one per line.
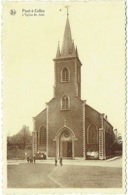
point(30, 45)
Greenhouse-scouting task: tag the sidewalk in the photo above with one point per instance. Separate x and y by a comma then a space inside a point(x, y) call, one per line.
point(113, 162)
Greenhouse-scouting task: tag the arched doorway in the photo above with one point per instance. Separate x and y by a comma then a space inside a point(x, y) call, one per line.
point(65, 143)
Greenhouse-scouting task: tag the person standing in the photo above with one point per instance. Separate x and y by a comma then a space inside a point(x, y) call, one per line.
point(61, 160)
point(31, 159)
point(34, 158)
point(28, 159)
point(56, 161)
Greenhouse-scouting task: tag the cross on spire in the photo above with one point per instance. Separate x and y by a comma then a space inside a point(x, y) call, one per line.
point(67, 6)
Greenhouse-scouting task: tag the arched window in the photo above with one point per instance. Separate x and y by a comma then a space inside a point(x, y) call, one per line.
point(42, 135)
point(65, 103)
point(92, 134)
point(65, 75)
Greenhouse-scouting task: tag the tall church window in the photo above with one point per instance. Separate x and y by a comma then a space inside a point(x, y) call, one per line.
point(42, 135)
point(92, 134)
point(65, 103)
point(65, 75)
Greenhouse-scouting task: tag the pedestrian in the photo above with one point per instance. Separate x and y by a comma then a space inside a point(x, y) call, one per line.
point(34, 158)
point(28, 159)
point(56, 161)
point(61, 160)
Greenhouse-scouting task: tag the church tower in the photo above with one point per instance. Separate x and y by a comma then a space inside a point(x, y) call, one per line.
point(66, 109)
point(67, 67)
point(61, 126)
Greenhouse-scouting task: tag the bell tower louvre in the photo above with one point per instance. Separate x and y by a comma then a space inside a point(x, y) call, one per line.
point(68, 127)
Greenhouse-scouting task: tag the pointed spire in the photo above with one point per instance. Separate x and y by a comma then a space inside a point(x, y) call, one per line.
point(58, 54)
point(67, 40)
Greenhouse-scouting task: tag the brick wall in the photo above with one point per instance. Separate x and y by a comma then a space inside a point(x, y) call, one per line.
point(109, 138)
point(73, 120)
point(92, 117)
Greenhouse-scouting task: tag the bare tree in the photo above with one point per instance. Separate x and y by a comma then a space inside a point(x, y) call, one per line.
point(24, 137)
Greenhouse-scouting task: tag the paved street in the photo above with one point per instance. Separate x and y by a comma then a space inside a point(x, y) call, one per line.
point(113, 162)
point(73, 174)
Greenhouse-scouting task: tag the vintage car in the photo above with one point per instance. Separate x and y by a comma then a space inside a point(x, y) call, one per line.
point(40, 155)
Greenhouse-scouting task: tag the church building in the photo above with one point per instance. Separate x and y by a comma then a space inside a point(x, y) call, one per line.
point(68, 126)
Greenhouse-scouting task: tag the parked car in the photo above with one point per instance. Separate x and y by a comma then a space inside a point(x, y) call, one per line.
point(41, 155)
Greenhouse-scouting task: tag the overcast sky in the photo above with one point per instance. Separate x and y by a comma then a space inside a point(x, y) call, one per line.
point(30, 44)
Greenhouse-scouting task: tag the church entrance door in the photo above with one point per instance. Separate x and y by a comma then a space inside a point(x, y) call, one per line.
point(67, 149)
point(65, 143)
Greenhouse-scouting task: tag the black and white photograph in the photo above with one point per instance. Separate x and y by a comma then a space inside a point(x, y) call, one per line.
point(64, 87)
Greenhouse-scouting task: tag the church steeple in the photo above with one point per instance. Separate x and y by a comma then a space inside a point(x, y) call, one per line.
point(67, 40)
point(68, 47)
point(67, 68)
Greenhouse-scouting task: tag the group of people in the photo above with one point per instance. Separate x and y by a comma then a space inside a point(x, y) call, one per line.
point(31, 159)
point(60, 160)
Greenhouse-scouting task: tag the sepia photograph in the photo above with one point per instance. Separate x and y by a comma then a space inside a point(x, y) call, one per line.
point(64, 87)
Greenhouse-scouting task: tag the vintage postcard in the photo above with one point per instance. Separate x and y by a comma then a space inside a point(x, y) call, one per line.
point(64, 86)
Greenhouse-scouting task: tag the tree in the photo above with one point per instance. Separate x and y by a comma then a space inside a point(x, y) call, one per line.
point(24, 137)
point(118, 142)
point(119, 138)
point(18, 144)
